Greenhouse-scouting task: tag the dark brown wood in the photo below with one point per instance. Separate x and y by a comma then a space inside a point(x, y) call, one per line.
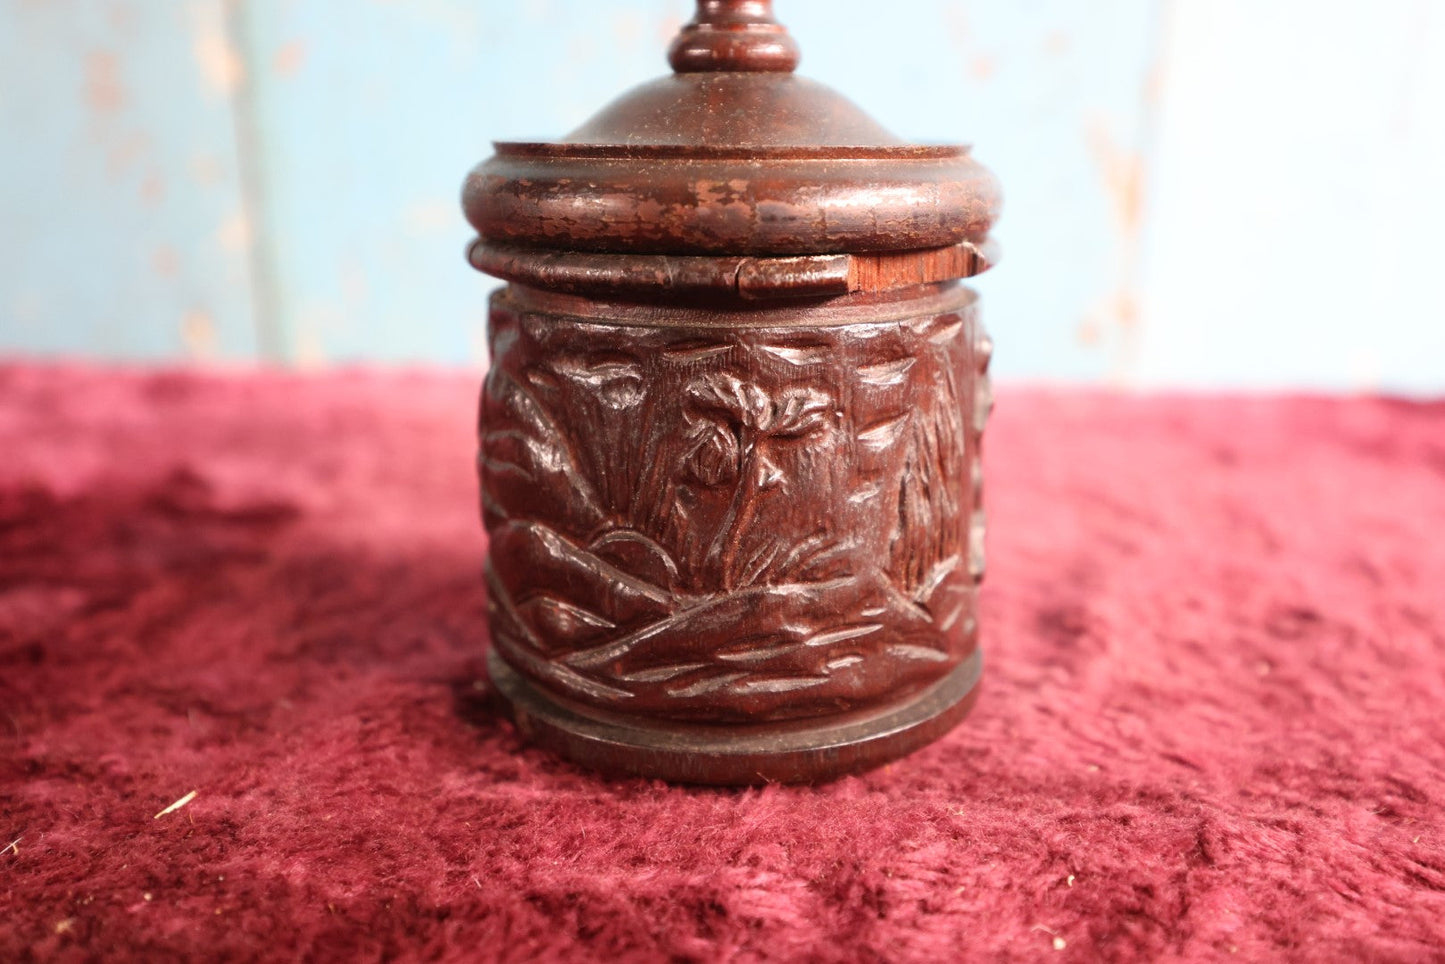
point(730, 437)
point(733, 162)
point(736, 755)
point(733, 35)
point(693, 516)
point(664, 199)
point(651, 276)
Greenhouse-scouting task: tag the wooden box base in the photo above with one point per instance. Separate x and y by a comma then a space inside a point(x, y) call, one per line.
point(810, 751)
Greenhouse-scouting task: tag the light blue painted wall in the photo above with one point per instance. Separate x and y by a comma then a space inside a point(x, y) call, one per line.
point(122, 227)
point(1298, 193)
point(310, 154)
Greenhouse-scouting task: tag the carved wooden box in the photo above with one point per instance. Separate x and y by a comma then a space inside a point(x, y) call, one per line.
point(730, 436)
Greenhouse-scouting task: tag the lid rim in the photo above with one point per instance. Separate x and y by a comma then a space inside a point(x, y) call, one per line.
point(699, 205)
point(730, 156)
point(749, 277)
point(749, 152)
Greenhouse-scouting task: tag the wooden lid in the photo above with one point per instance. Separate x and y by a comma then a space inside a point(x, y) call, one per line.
point(732, 155)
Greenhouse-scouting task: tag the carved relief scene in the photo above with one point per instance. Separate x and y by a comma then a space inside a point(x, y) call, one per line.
point(719, 524)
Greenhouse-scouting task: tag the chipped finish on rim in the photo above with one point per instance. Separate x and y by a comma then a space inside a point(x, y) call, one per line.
point(779, 202)
point(655, 276)
point(731, 155)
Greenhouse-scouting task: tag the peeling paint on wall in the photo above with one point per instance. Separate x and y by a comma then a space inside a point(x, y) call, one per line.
point(1121, 172)
point(272, 181)
point(103, 89)
point(105, 109)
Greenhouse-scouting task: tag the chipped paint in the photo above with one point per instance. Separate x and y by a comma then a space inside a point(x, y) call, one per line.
point(1122, 174)
point(103, 91)
point(207, 170)
point(166, 261)
point(309, 350)
point(123, 151)
point(290, 58)
point(198, 335)
point(234, 233)
point(221, 65)
point(1057, 43)
point(153, 189)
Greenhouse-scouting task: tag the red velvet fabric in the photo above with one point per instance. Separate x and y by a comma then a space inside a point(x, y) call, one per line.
point(1211, 723)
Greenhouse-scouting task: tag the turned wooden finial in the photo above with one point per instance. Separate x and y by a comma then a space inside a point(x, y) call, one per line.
point(733, 35)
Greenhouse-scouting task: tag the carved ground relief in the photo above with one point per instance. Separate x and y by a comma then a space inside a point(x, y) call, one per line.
point(733, 524)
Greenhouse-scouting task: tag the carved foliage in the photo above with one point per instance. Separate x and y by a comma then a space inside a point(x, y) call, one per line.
point(737, 524)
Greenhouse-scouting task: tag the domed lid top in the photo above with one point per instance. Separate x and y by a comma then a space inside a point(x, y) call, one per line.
point(731, 155)
point(743, 111)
